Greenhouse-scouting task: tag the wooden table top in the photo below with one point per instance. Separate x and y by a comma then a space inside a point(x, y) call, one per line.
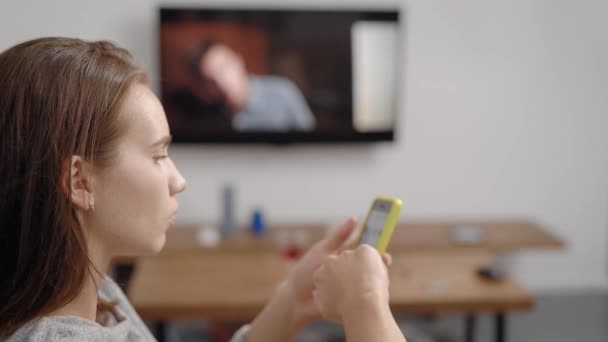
point(235, 286)
point(447, 282)
point(496, 236)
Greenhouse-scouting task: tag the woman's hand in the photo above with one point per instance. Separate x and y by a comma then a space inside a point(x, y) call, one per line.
point(292, 305)
point(352, 281)
point(299, 280)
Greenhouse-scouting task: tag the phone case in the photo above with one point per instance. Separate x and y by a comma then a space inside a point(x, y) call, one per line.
point(389, 224)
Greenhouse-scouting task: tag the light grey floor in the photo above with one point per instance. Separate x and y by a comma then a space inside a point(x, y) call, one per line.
point(555, 318)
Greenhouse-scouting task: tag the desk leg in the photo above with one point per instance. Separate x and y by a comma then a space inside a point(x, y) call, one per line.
point(160, 331)
point(500, 327)
point(470, 324)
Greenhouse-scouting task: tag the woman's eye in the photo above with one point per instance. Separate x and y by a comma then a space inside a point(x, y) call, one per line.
point(157, 158)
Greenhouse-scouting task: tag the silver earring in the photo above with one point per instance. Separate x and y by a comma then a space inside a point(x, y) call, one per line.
point(91, 205)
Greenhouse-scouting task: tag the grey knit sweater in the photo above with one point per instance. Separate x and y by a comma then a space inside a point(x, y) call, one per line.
point(122, 325)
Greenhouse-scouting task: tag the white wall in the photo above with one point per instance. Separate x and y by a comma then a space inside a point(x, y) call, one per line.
point(504, 113)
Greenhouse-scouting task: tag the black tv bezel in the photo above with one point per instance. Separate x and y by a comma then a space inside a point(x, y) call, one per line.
point(291, 137)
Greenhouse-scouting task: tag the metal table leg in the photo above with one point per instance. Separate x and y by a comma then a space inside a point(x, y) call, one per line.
point(160, 331)
point(500, 326)
point(470, 324)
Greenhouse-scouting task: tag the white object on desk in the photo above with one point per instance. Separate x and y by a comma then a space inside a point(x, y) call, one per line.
point(208, 236)
point(468, 235)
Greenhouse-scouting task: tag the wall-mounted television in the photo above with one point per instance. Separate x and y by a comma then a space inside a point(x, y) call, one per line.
point(279, 76)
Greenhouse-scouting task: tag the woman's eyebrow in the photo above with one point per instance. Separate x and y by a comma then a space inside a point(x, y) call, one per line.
point(164, 141)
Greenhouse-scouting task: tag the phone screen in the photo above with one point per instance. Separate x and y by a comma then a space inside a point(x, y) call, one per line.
point(375, 222)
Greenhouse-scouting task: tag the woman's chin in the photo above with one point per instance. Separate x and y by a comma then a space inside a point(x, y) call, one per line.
point(159, 243)
point(152, 247)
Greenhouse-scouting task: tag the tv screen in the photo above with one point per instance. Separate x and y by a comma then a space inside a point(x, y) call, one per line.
point(279, 76)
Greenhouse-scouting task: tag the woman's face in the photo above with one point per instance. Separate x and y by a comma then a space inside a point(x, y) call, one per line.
point(135, 197)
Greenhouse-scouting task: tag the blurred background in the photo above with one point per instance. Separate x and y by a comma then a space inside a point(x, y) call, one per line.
point(502, 114)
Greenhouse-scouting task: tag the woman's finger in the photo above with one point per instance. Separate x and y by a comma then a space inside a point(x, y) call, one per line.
point(337, 237)
point(387, 259)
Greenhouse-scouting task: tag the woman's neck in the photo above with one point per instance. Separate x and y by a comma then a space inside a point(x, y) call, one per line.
point(84, 305)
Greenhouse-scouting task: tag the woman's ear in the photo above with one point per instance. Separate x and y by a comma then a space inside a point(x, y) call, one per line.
point(77, 183)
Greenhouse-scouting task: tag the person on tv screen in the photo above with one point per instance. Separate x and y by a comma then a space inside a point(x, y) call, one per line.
point(252, 102)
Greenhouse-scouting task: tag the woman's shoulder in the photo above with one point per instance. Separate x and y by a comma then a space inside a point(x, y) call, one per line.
point(58, 329)
point(73, 328)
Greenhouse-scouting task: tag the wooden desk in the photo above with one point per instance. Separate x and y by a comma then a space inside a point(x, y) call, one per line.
point(447, 282)
point(217, 286)
point(227, 286)
point(236, 286)
point(498, 236)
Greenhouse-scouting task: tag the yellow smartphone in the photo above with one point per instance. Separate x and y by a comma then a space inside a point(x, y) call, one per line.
point(380, 223)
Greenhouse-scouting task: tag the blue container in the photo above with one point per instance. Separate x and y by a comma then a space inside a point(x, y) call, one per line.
point(257, 223)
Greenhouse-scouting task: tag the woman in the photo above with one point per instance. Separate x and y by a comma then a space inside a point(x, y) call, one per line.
point(85, 176)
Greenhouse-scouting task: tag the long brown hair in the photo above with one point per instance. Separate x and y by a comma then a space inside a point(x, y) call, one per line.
point(59, 97)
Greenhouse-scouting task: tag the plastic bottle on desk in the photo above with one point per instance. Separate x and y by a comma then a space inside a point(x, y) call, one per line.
point(228, 227)
point(258, 227)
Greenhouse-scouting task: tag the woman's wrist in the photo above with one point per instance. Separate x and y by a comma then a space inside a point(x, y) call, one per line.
point(365, 306)
point(287, 295)
point(279, 320)
point(300, 311)
point(370, 319)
